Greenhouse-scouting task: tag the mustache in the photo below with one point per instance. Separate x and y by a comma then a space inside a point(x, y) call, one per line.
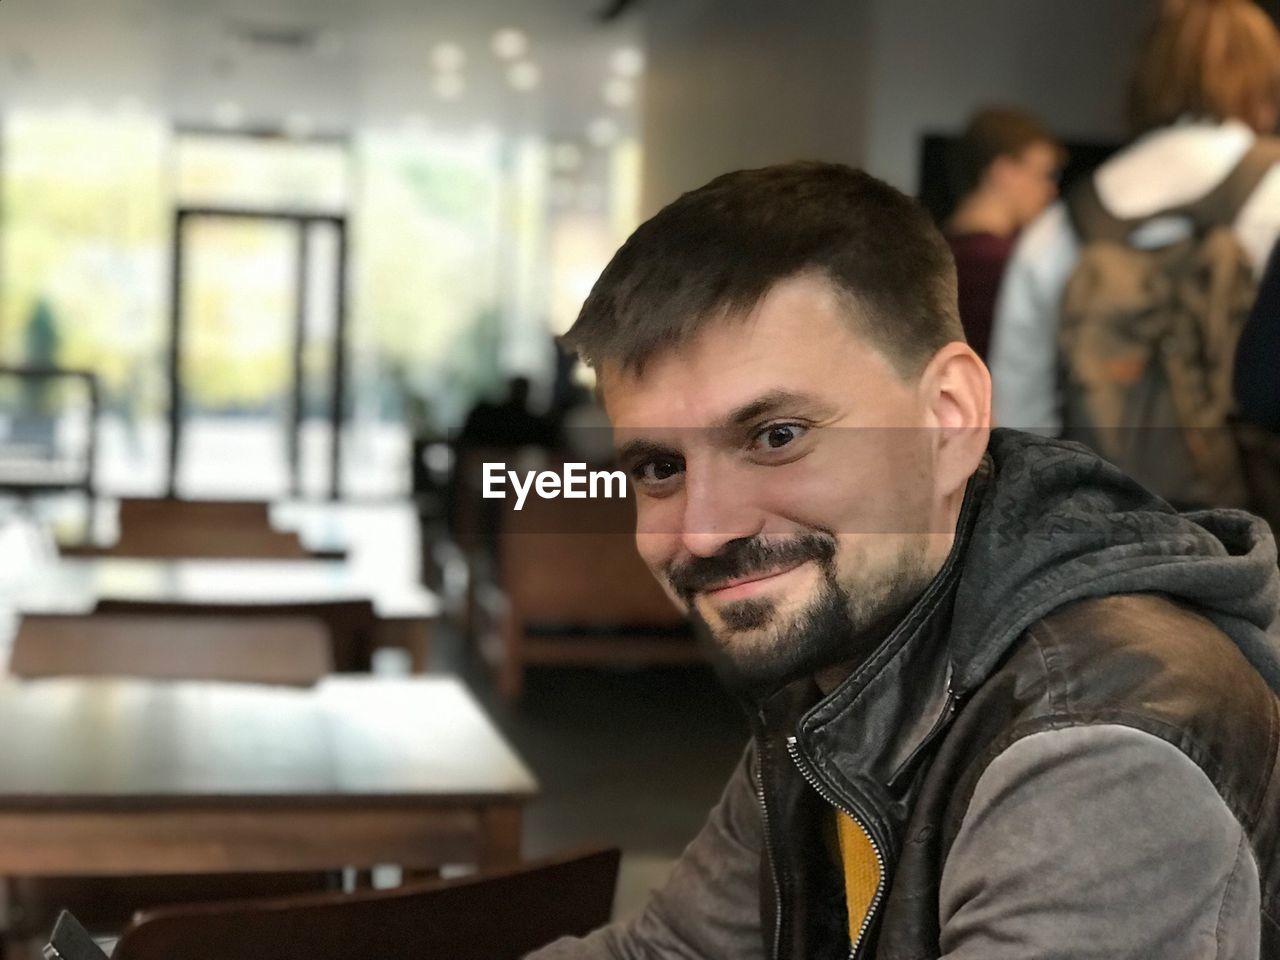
point(747, 556)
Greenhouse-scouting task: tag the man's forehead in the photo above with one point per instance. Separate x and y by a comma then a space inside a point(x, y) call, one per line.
point(798, 340)
point(742, 404)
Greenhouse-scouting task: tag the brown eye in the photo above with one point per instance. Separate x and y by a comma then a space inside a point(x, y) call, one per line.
point(781, 436)
point(778, 435)
point(655, 471)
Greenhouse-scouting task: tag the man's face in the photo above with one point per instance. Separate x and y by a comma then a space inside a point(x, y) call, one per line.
point(1029, 180)
point(785, 483)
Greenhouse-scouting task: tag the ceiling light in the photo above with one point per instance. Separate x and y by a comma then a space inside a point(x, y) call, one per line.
point(510, 44)
point(524, 75)
point(228, 114)
point(627, 62)
point(448, 57)
point(449, 86)
point(619, 92)
point(603, 131)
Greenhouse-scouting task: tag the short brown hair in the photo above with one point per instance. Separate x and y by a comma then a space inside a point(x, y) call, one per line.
point(995, 132)
point(1208, 59)
point(716, 251)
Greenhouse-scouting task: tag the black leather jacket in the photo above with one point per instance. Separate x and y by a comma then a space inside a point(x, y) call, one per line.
point(1073, 606)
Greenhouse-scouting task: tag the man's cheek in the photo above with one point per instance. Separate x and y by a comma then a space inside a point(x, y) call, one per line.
point(657, 551)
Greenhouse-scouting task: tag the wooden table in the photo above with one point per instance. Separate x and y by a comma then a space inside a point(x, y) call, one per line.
point(74, 585)
point(115, 777)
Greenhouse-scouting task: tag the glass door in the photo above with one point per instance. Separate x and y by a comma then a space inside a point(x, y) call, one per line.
point(255, 355)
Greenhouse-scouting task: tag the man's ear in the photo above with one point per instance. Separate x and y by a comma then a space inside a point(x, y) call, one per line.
point(955, 391)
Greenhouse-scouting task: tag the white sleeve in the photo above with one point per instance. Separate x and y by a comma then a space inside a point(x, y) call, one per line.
point(1259, 220)
point(1024, 339)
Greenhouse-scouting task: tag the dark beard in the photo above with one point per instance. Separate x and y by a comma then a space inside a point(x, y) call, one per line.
point(834, 629)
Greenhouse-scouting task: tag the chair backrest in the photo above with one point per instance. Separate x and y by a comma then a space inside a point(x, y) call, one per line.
point(497, 916)
point(273, 649)
point(574, 562)
point(350, 623)
point(170, 528)
point(167, 511)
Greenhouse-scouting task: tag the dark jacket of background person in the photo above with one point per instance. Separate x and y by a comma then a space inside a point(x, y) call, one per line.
point(1089, 671)
point(1257, 369)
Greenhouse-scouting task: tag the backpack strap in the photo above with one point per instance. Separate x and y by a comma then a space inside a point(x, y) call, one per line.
point(1221, 205)
point(1093, 222)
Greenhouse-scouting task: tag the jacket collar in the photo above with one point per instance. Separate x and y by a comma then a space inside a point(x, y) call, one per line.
point(872, 726)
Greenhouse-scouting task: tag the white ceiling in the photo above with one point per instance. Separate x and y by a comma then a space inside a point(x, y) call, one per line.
point(341, 63)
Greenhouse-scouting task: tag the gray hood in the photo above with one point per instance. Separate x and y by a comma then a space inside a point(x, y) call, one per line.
point(1054, 523)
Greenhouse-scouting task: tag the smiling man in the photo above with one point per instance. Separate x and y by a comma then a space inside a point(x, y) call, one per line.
point(1006, 704)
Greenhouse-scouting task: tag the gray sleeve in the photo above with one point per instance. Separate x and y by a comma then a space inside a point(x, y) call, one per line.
point(709, 909)
point(1098, 842)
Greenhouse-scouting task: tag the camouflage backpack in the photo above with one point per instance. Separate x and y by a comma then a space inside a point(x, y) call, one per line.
point(1148, 338)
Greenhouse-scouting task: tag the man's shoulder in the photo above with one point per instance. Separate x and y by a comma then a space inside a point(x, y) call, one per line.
point(1102, 651)
point(1147, 662)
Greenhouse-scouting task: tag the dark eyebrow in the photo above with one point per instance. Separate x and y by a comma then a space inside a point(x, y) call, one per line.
point(640, 449)
point(771, 402)
point(774, 401)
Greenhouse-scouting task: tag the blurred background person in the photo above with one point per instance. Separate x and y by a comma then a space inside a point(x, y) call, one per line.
point(509, 423)
point(1120, 312)
point(1005, 169)
point(1207, 85)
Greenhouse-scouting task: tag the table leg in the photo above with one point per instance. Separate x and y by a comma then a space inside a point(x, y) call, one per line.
point(411, 635)
point(418, 640)
point(500, 826)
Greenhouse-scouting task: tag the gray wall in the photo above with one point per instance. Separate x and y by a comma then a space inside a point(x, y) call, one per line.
point(933, 62)
point(737, 83)
point(743, 83)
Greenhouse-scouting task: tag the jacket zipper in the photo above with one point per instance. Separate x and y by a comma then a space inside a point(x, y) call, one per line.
point(948, 711)
point(773, 858)
point(811, 777)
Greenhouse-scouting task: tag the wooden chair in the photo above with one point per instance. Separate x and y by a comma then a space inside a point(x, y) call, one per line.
point(273, 649)
point(169, 528)
point(574, 591)
point(351, 623)
point(497, 916)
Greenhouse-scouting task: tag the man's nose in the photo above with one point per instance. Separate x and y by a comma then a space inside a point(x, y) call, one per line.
point(717, 511)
